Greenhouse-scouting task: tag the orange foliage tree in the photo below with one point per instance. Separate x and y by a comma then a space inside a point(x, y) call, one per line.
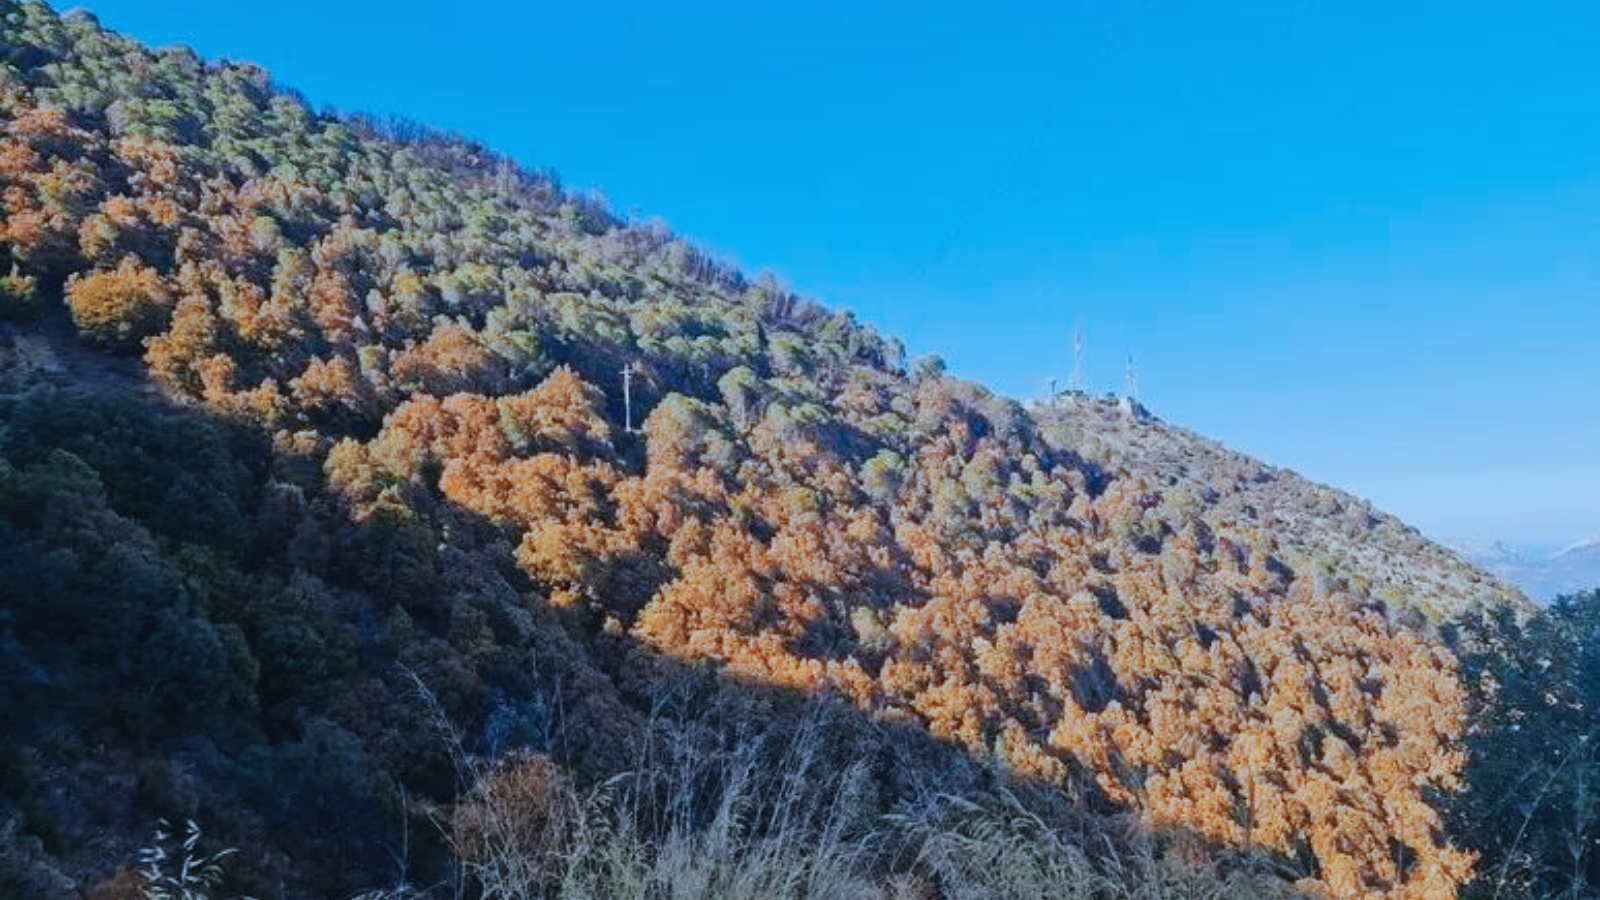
point(121, 305)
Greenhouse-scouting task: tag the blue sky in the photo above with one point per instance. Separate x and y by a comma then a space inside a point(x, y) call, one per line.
point(1361, 240)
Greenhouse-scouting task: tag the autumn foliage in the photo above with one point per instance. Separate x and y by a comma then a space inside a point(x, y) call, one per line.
point(435, 332)
point(118, 306)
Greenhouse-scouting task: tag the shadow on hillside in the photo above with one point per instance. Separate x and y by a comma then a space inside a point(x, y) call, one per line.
point(196, 628)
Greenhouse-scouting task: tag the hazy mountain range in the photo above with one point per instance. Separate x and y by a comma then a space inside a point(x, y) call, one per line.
point(1543, 577)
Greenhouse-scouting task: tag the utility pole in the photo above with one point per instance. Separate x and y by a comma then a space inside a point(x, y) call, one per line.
point(627, 398)
point(1052, 401)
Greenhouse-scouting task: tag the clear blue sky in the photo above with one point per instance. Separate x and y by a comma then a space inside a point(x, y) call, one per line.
point(1361, 240)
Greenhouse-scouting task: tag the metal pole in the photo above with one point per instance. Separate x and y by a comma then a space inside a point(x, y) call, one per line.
point(627, 398)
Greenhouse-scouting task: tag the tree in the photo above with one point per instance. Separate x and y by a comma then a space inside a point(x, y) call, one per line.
point(119, 306)
point(1534, 775)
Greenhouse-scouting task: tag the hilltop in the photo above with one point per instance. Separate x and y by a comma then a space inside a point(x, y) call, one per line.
point(314, 438)
point(1321, 531)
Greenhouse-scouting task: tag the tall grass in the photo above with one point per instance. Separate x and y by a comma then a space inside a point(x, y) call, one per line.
point(1011, 846)
point(788, 813)
point(701, 818)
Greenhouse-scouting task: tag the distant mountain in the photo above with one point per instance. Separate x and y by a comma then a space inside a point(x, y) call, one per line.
point(1585, 548)
point(1567, 571)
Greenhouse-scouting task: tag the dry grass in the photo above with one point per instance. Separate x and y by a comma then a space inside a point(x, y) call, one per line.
point(785, 814)
point(1012, 848)
point(699, 819)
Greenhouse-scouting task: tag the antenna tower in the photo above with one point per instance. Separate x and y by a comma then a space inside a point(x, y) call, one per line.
point(1079, 381)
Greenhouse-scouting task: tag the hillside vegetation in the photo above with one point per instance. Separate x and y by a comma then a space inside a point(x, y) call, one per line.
point(384, 481)
point(1318, 531)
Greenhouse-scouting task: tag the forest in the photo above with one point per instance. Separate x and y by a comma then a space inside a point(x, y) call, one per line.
point(321, 528)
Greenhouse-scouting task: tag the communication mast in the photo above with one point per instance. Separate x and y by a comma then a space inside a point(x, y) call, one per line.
point(1130, 382)
point(1079, 381)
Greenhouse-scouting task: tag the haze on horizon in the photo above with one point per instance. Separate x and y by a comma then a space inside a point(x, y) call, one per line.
point(1356, 242)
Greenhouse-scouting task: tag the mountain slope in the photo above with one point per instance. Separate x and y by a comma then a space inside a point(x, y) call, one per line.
point(1320, 530)
point(400, 354)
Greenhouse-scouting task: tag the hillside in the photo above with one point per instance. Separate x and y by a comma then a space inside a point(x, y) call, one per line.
point(308, 417)
point(1320, 530)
